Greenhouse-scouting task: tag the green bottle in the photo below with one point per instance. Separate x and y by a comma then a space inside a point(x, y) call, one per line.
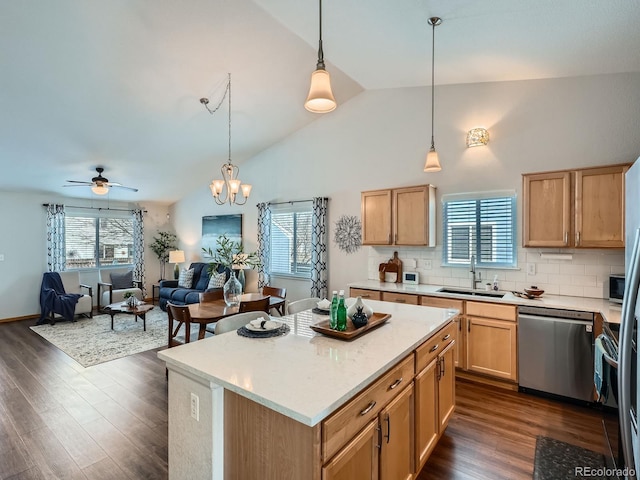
point(333, 312)
point(342, 314)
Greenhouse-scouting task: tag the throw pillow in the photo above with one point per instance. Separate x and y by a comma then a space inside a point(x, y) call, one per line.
point(120, 281)
point(217, 280)
point(186, 278)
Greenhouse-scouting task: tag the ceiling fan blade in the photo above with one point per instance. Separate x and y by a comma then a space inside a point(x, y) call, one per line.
point(122, 186)
point(78, 181)
point(79, 185)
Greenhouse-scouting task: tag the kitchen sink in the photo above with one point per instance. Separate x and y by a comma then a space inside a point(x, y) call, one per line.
point(474, 293)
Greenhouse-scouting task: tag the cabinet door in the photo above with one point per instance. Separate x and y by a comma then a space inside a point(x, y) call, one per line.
point(600, 207)
point(411, 219)
point(358, 459)
point(426, 413)
point(396, 422)
point(491, 347)
point(446, 387)
point(547, 210)
point(376, 217)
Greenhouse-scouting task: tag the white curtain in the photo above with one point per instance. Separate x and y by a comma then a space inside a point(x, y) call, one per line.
point(264, 243)
point(56, 254)
point(319, 260)
point(138, 247)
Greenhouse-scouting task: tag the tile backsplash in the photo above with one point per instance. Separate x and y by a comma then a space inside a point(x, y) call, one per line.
point(585, 275)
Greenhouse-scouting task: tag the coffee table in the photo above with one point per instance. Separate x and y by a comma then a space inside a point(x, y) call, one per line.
point(137, 311)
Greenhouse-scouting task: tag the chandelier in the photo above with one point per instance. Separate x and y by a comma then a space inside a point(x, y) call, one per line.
point(226, 190)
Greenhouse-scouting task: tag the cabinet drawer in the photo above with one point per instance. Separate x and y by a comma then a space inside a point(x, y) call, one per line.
point(338, 429)
point(400, 298)
point(365, 294)
point(492, 310)
point(430, 349)
point(442, 303)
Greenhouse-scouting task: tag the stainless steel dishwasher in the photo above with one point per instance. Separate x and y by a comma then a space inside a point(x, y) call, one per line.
point(555, 351)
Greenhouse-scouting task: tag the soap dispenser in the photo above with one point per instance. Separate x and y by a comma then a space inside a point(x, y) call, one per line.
point(495, 282)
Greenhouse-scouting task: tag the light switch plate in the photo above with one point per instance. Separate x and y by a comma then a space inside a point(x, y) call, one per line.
point(1, 257)
point(531, 268)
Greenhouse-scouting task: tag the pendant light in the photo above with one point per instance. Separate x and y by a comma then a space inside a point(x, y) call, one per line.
point(320, 98)
point(433, 163)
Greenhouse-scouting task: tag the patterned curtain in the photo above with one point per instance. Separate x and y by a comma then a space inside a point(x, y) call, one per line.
point(264, 243)
point(319, 234)
point(56, 252)
point(138, 247)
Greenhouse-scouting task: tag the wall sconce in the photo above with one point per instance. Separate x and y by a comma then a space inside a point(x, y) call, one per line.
point(477, 137)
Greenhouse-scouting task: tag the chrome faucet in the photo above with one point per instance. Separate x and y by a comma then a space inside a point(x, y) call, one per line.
point(475, 281)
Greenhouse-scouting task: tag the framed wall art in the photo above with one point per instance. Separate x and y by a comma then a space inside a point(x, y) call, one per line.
point(213, 226)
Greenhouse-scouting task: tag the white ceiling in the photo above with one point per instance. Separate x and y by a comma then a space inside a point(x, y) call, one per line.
point(117, 83)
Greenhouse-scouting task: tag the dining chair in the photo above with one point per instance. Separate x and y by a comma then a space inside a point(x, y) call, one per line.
point(276, 292)
point(179, 317)
point(211, 296)
point(261, 305)
point(234, 322)
point(300, 305)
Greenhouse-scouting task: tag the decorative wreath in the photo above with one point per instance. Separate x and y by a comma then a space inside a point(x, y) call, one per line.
point(348, 234)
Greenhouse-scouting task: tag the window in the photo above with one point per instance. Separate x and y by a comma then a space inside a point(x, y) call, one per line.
point(480, 224)
point(93, 242)
point(291, 241)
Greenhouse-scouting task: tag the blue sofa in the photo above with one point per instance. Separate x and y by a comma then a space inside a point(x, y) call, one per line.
point(170, 292)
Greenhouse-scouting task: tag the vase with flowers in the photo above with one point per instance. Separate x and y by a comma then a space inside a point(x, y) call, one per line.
point(232, 257)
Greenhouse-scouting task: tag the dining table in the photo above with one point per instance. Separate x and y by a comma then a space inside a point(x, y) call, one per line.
point(210, 312)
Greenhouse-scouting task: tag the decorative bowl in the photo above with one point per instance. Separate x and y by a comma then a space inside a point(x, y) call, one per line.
point(533, 290)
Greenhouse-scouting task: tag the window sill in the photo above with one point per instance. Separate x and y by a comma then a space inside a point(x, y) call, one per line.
point(289, 277)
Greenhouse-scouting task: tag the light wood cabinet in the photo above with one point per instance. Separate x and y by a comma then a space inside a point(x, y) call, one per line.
point(492, 340)
point(401, 216)
point(400, 298)
point(579, 208)
point(458, 334)
point(365, 294)
point(358, 459)
point(396, 424)
point(435, 392)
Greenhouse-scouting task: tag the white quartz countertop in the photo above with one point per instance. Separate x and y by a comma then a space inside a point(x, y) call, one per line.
point(306, 375)
point(610, 312)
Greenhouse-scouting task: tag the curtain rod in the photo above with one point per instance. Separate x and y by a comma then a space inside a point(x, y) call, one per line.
point(100, 208)
point(290, 202)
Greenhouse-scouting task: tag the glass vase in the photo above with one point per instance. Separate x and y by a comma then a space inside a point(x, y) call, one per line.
point(232, 290)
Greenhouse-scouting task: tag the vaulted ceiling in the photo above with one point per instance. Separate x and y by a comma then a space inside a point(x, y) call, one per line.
point(116, 84)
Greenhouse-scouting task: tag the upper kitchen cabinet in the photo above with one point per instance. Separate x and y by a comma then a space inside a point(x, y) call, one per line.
point(579, 208)
point(399, 216)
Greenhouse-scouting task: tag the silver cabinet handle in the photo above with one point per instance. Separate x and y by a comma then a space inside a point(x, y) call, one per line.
point(566, 238)
point(395, 384)
point(388, 435)
point(434, 348)
point(442, 363)
point(400, 300)
point(365, 296)
point(368, 409)
point(577, 239)
point(446, 337)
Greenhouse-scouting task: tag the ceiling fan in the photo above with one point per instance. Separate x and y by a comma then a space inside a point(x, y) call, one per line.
point(99, 185)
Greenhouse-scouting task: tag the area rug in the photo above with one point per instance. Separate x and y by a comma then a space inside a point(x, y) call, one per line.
point(557, 460)
point(90, 341)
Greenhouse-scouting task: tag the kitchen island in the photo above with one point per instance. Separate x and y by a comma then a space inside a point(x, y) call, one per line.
point(242, 408)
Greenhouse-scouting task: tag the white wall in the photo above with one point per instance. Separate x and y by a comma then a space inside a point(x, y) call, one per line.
point(379, 139)
point(23, 242)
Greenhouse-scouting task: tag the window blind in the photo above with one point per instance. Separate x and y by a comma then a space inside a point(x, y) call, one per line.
point(291, 241)
point(484, 226)
point(92, 242)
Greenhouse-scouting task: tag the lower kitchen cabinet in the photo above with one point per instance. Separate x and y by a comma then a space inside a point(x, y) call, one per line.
point(358, 459)
point(491, 347)
point(459, 347)
point(396, 424)
point(435, 393)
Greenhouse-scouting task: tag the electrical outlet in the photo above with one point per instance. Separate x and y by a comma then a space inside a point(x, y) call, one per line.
point(531, 268)
point(195, 407)
point(427, 264)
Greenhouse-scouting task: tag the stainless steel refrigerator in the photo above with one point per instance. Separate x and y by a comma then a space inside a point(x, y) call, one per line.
point(628, 359)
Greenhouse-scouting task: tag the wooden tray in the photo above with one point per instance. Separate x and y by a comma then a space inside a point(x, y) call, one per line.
point(376, 320)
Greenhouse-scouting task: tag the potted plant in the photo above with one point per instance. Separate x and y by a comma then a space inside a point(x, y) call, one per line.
point(162, 244)
point(232, 256)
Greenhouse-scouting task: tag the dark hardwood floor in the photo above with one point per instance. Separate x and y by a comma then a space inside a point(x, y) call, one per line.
point(109, 421)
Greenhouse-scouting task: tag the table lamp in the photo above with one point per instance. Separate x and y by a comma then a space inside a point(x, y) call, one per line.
point(177, 257)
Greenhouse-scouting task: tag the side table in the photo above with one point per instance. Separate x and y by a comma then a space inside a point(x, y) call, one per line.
point(155, 297)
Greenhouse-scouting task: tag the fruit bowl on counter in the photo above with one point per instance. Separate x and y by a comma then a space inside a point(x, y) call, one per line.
point(534, 291)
